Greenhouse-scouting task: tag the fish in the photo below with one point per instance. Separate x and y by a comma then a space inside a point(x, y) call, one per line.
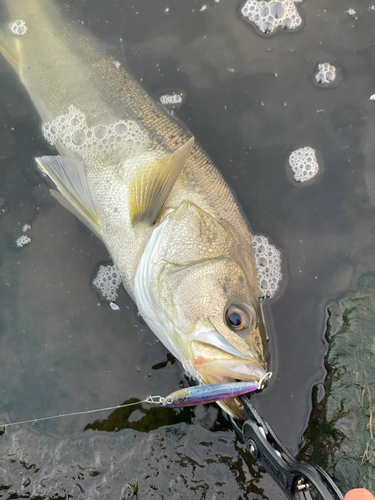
point(140, 181)
point(202, 394)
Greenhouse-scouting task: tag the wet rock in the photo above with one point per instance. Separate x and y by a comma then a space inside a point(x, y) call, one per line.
point(341, 433)
point(179, 461)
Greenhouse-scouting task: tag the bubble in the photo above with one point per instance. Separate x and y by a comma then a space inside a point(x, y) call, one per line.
point(22, 241)
point(173, 100)
point(121, 128)
point(325, 74)
point(100, 132)
point(277, 9)
point(108, 281)
point(267, 27)
point(18, 27)
point(262, 262)
point(78, 137)
point(26, 227)
point(304, 164)
point(72, 131)
point(268, 265)
point(269, 16)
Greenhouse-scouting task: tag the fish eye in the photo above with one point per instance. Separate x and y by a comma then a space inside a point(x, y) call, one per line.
point(238, 317)
point(169, 401)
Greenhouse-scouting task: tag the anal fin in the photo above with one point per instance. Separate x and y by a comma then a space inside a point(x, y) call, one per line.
point(74, 192)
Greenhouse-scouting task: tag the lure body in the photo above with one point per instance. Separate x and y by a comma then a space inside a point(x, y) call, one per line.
point(202, 394)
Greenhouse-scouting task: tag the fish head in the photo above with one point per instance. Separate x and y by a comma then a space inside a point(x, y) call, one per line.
point(203, 289)
point(217, 323)
point(220, 320)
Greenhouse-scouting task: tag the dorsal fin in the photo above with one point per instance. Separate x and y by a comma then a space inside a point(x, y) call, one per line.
point(70, 179)
point(149, 188)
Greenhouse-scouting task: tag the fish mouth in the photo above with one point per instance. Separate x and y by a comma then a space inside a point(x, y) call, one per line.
point(218, 361)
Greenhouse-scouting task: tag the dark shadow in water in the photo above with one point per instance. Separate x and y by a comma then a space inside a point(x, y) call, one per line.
point(146, 420)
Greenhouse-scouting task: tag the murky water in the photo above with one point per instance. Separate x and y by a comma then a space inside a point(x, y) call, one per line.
point(250, 100)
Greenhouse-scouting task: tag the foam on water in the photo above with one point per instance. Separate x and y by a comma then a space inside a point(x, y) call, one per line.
point(303, 163)
point(268, 264)
point(325, 74)
point(351, 12)
point(18, 27)
point(23, 240)
point(173, 99)
point(272, 15)
point(72, 131)
point(108, 281)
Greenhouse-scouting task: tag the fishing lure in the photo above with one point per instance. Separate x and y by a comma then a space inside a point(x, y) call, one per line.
point(202, 394)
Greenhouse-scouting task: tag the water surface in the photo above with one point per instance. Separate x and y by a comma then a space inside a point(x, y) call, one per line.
point(249, 100)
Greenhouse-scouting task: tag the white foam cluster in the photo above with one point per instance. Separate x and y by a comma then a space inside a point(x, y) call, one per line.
point(18, 27)
point(268, 264)
point(171, 99)
point(23, 240)
point(268, 16)
point(303, 163)
point(72, 131)
point(26, 227)
point(326, 74)
point(108, 281)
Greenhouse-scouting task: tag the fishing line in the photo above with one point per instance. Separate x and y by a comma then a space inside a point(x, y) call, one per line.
point(150, 399)
point(200, 394)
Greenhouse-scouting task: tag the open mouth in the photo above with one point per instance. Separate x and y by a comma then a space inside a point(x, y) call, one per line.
point(218, 361)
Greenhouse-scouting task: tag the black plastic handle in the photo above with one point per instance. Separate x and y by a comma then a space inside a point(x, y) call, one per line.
point(285, 476)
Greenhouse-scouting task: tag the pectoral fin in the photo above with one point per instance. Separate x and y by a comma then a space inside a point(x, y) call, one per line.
point(75, 195)
point(150, 187)
point(9, 47)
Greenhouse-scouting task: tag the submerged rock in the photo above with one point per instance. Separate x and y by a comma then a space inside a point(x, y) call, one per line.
point(341, 434)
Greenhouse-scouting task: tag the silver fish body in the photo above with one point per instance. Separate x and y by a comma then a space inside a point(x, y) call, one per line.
point(138, 180)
